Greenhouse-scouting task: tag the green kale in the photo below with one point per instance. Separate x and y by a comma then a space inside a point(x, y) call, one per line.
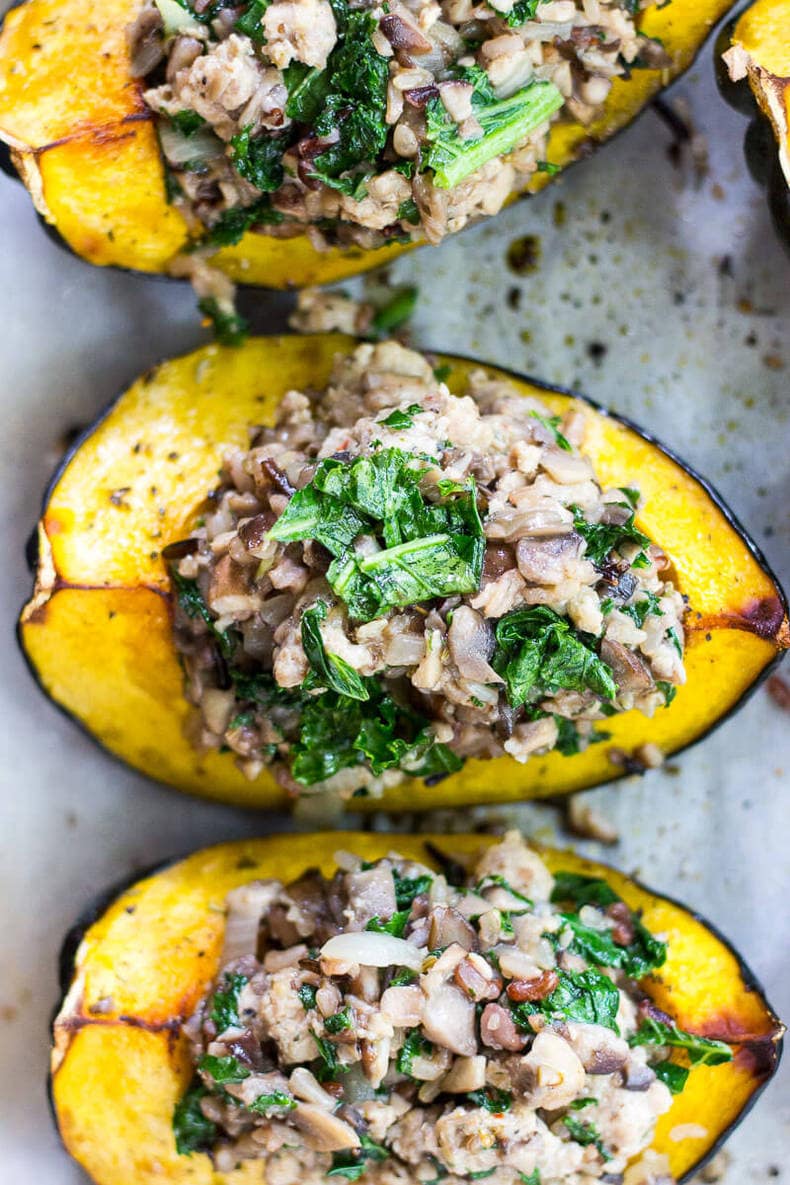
point(394, 925)
point(429, 549)
point(494, 880)
point(395, 312)
point(408, 211)
point(521, 12)
point(402, 977)
point(232, 225)
point(538, 651)
point(532, 1178)
point(250, 23)
point(223, 1069)
point(569, 742)
point(414, 1045)
point(582, 890)
point(353, 108)
point(328, 1065)
point(672, 1075)
point(258, 159)
point(353, 1164)
point(604, 538)
point(401, 419)
point(307, 90)
point(580, 1104)
point(668, 690)
point(674, 638)
point(702, 1051)
point(553, 425)
point(504, 123)
point(641, 956)
point(587, 996)
point(648, 606)
point(328, 670)
point(306, 994)
point(338, 1021)
point(187, 122)
point(545, 166)
point(191, 602)
point(192, 1131)
point(229, 327)
point(276, 1100)
point(225, 1005)
point(585, 1133)
point(407, 888)
point(491, 1099)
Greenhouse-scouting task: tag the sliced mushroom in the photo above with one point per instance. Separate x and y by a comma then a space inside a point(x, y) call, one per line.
point(498, 1029)
point(471, 642)
point(545, 561)
point(322, 1130)
point(550, 1075)
point(465, 1074)
point(449, 1019)
point(630, 672)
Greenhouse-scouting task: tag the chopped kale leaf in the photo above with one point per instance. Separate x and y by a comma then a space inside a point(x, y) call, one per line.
point(327, 670)
point(223, 1069)
point(702, 1051)
point(585, 1133)
point(192, 1130)
point(230, 329)
point(672, 1075)
point(225, 1005)
point(504, 124)
point(604, 538)
point(258, 159)
point(250, 22)
point(587, 996)
point(553, 425)
point(538, 651)
point(394, 925)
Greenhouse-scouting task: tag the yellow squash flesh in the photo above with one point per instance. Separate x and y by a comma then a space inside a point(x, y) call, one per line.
point(85, 145)
point(763, 33)
point(98, 631)
point(120, 1064)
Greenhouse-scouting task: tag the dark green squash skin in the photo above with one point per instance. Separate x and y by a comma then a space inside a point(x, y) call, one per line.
point(766, 622)
point(759, 144)
point(767, 1053)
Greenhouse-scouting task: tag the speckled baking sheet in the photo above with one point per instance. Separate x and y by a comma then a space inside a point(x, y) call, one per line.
point(658, 292)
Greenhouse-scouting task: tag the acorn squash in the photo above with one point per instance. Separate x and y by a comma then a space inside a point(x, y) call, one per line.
point(98, 632)
point(138, 969)
point(756, 48)
point(85, 145)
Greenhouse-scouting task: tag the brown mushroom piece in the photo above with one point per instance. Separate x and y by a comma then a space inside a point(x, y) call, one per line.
point(322, 1130)
point(630, 672)
point(498, 1029)
point(545, 560)
point(471, 641)
point(551, 1075)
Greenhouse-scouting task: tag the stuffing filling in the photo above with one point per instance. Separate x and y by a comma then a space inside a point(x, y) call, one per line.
point(402, 1026)
point(364, 123)
point(395, 578)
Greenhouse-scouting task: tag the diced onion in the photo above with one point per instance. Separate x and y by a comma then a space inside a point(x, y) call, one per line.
point(177, 20)
point(369, 949)
point(180, 149)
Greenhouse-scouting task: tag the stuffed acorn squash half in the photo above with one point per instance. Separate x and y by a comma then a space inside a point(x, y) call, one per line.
point(753, 72)
point(305, 140)
point(416, 582)
point(403, 1010)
